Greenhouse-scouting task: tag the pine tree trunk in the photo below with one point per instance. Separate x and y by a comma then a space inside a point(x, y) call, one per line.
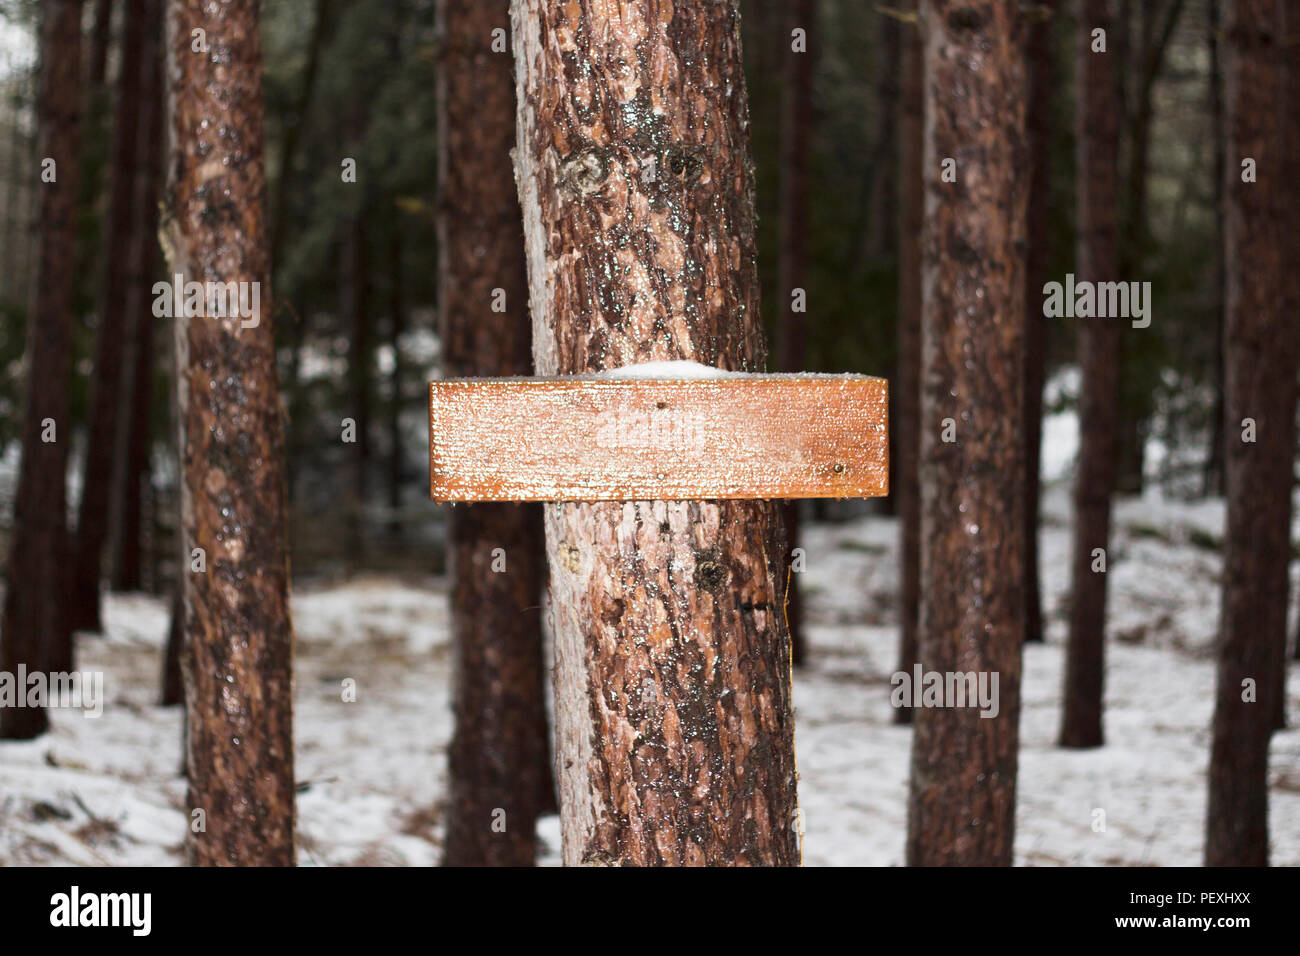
point(498, 753)
point(34, 629)
point(673, 708)
point(1213, 477)
point(239, 640)
point(906, 398)
point(396, 328)
point(355, 305)
point(132, 459)
point(1260, 361)
point(1097, 143)
point(107, 379)
point(1038, 260)
point(962, 802)
point(172, 691)
point(792, 264)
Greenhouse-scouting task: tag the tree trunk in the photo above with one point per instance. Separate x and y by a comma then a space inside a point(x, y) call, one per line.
point(962, 811)
point(1038, 260)
point(498, 753)
point(792, 263)
point(238, 655)
point(907, 389)
point(34, 628)
point(673, 702)
point(1212, 483)
point(103, 418)
point(355, 306)
point(133, 469)
point(883, 198)
point(1261, 357)
point(100, 38)
point(396, 328)
point(1097, 145)
point(173, 682)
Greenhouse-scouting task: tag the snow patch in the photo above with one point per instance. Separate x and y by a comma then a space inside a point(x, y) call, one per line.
point(667, 371)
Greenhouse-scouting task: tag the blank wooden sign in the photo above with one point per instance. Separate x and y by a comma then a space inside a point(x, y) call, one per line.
point(584, 439)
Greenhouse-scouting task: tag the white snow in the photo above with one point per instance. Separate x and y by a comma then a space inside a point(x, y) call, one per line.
point(666, 371)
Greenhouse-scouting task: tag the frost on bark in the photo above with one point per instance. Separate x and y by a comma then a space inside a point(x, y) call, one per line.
point(1260, 366)
point(34, 595)
point(238, 638)
point(673, 714)
point(963, 775)
point(1097, 145)
point(498, 753)
point(907, 394)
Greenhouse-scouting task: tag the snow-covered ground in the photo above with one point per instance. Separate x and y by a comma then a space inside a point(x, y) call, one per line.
point(373, 773)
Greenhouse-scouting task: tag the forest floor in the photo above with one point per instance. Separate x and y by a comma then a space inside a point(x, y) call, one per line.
point(373, 772)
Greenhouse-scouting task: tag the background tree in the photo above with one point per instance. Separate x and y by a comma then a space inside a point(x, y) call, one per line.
point(672, 702)
point(1097, 142)
point(238, 652)
point(107, 383)
point(792, 267)
point(33, 631)
point(498, 754)
point(972, 495)
point(906, 393)
point(1040, 56)
point(1262, 349)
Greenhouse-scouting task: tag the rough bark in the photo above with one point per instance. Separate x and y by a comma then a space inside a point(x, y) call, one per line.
point(907, 387)
point(1038, 260)
point(1260, 360)
point(962, 801)
point(792, 262)
point(107, 379)
point(673, 709)
point(498, 752)
point(1097, 145)
point(132, 466)
point(35, 592)
point(238, 654)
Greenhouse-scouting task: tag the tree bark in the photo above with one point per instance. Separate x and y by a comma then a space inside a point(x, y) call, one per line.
point(35, 595)
point(792, 263)
point(498, 753)
point(238, 654)
point(1038, 260)
point(673, 707)
point(132, 469)
point(962, 802)
point(907, 388)
point(1097, 145)
point(1261, 359)
point(103, 418)
point(1213, 477)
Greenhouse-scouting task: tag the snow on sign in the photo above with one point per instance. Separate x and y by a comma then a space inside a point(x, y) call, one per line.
point(664, 432)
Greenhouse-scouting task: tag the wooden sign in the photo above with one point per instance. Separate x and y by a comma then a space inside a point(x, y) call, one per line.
point(596, 439)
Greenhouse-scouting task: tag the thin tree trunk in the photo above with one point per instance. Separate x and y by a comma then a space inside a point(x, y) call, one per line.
point(962, 811)
point(1097, 145)
point(396, 328)
point(1261, 361)
point(883, 199)
point(132, 468)
point(34, 629)
point(1213, 476)
point(673, 701)
point(906, 398)
point(792, 264)
point(103, 418)
point(100, 37)
point(498, 753)
point(355, 306)
point(238, 654)
point(1038, 260)
point(173, 683)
